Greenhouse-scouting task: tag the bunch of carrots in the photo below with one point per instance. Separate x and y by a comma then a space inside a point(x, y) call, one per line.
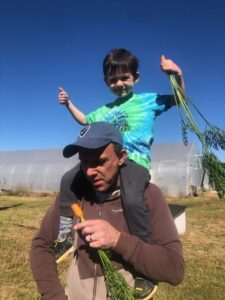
point(211, 137)
point(116, 285)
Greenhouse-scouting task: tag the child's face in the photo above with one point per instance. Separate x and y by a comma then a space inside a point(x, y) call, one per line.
point(121, 84)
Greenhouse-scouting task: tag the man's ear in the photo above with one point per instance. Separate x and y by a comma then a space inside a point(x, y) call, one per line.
point(136, 77)
point(123, 157)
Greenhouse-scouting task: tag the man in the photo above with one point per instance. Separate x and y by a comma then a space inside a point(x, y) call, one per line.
point(102, 158)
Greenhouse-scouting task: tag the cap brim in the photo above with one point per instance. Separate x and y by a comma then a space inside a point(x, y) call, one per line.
point(89, 144)
point(70, 150)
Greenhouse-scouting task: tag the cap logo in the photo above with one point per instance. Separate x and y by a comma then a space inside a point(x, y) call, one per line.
point(84, 130)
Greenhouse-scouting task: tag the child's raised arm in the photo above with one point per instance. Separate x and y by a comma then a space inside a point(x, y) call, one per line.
point(170, 68)
point(76, 113)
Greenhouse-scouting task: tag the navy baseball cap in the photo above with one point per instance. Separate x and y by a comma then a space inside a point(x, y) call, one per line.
point(94, 136)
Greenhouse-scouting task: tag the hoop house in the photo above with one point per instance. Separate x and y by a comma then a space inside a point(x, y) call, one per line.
point(176, 169)
point(35, 170)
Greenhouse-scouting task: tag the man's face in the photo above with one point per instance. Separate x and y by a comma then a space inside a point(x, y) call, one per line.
point(121, 84)
point(101, 167)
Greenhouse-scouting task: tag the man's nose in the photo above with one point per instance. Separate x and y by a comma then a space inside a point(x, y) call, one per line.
point(90, 171)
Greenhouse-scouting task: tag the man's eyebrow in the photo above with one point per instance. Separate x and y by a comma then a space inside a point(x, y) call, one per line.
point(103, 159)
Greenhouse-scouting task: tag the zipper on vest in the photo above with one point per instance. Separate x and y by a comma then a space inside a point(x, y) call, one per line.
point(95, 282)
point(100, 211)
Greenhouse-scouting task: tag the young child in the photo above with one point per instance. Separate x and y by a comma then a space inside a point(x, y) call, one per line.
point(134, 115)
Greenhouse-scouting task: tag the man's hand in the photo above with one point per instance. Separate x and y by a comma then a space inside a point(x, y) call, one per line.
point(169, 67)
point(99, 233)
point(63, 96)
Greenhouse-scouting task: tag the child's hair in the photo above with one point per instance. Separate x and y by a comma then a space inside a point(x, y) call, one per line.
point(120, 60)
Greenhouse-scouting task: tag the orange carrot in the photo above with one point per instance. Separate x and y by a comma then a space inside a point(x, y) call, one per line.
point(77, 211)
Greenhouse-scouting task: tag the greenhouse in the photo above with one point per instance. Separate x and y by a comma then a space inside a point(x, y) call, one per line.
point(34, 170)
point(176, 169)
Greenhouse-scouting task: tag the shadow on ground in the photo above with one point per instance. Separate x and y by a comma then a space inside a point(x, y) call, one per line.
point(8, 207)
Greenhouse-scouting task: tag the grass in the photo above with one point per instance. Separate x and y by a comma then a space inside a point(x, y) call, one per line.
point(204, 248)
point(203, 242)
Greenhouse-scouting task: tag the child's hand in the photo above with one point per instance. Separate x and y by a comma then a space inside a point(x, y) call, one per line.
point(63, 96)
point(169, 67)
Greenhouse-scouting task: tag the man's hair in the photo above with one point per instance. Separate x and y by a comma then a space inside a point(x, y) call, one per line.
point(120, 61)
point(117, 148)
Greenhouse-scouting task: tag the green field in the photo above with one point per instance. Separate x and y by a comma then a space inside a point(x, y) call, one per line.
point(204, 248)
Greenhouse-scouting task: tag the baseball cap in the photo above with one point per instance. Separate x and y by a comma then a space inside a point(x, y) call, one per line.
point(94, 136)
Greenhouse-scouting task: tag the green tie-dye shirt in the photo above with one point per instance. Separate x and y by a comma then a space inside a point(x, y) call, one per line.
point(135, 117)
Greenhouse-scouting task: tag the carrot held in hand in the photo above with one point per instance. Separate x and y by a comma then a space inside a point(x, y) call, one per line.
point(77, 210)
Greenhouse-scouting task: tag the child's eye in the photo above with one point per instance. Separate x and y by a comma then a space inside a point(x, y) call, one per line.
point(124, 78)
point(113, 80)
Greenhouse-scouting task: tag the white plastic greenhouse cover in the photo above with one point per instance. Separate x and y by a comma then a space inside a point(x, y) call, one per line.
point(174, 168)
point(36, 170)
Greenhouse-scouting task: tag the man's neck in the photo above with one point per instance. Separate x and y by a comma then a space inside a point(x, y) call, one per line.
point(108, 195)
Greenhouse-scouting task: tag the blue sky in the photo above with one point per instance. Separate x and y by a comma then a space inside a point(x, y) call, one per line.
point(46, 44)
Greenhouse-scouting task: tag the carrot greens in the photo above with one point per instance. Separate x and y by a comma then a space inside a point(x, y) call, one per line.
point(211, 137)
